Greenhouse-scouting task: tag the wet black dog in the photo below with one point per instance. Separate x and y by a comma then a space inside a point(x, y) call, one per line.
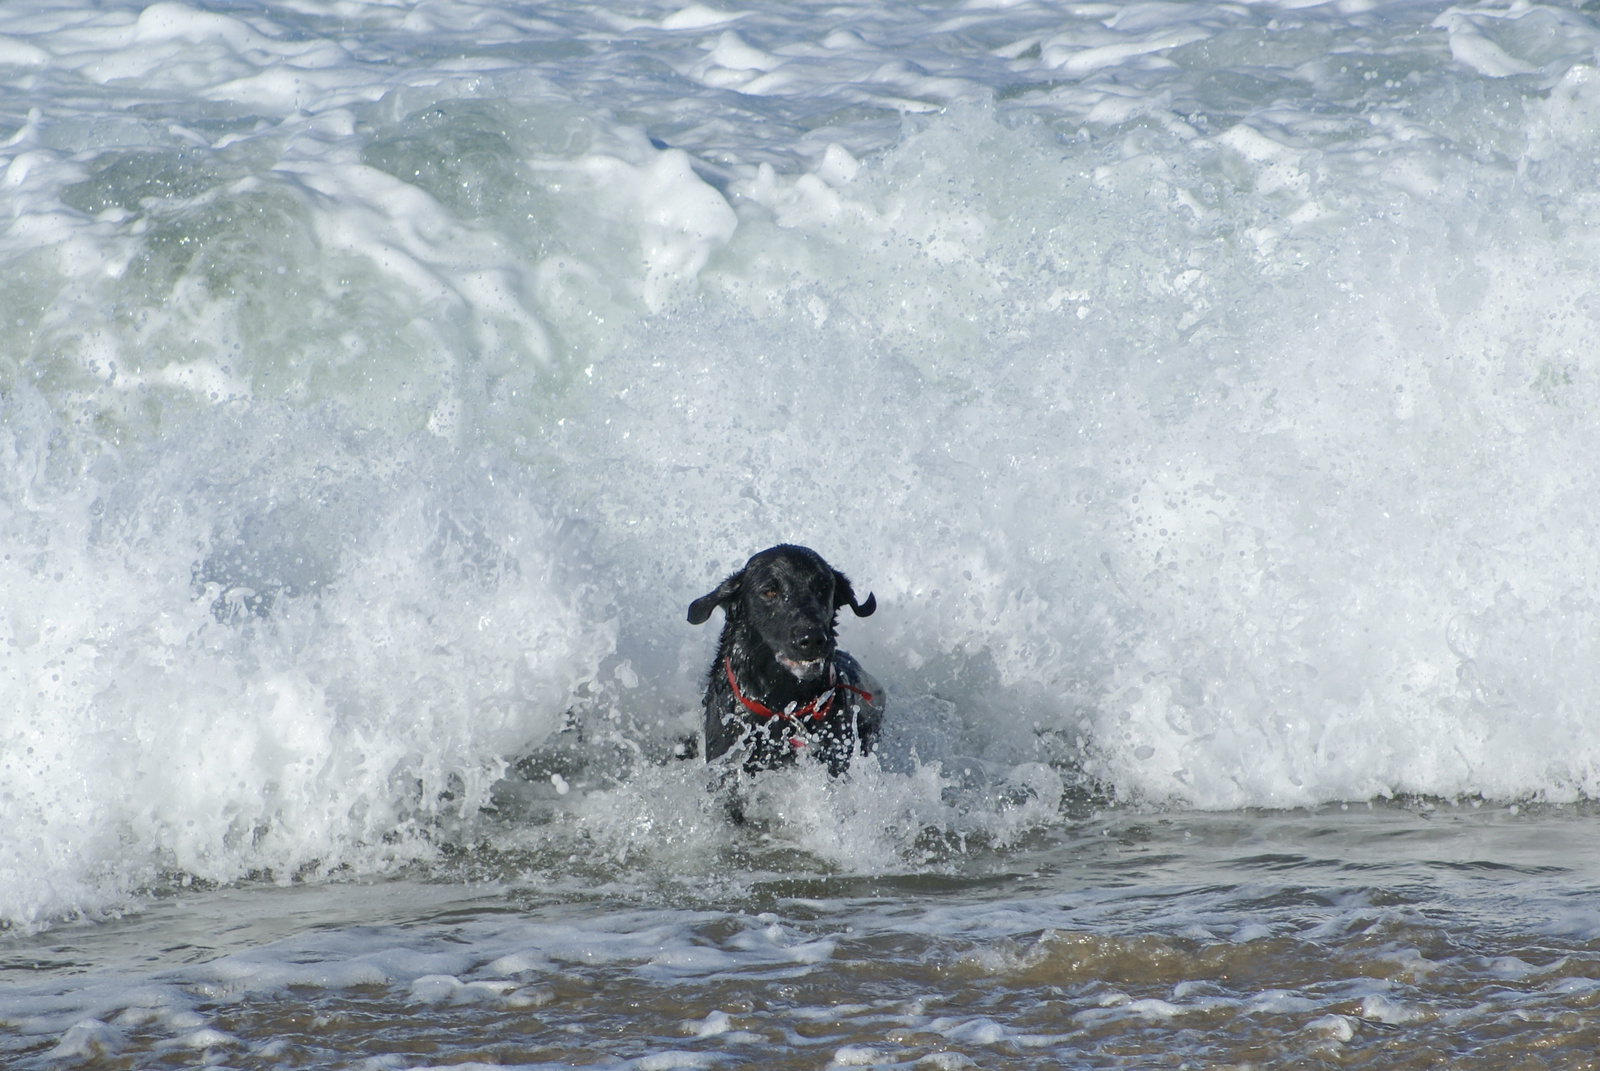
point(780, 685)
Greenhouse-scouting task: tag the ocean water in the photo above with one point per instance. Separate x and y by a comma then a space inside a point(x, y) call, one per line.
point(1206, 390)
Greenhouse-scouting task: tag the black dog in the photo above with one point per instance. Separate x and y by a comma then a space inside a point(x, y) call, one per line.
point(780, 685)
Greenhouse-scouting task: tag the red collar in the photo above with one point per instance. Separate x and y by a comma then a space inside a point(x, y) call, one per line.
point(816, 710)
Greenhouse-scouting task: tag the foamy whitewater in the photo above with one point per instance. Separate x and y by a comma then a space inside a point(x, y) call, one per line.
point(1206, 390)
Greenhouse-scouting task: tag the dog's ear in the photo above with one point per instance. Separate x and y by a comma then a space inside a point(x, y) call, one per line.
point(844, 595)
point(729, 589)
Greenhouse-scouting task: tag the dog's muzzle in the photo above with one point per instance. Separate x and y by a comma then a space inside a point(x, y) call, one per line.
point(803, 670)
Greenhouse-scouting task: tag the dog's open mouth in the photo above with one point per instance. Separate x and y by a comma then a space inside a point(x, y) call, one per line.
point(801, 669)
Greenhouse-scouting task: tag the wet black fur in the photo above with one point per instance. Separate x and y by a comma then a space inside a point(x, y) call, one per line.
point(785, 603)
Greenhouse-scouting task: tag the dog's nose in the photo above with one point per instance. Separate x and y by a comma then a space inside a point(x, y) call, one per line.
point(809, 643)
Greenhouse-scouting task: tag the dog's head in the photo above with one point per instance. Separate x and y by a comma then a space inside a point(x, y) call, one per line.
point(790, 598)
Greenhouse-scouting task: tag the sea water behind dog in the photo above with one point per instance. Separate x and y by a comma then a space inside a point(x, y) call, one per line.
point(1205, 390)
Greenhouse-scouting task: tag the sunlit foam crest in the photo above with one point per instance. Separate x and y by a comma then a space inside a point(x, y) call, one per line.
point(273, 644)
point(1211, 547)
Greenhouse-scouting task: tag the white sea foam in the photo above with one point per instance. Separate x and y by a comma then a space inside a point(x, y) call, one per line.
point(222, 656)
point(1202, 389)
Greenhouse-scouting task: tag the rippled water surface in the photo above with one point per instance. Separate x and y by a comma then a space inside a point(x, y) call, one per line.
point(1387, 937)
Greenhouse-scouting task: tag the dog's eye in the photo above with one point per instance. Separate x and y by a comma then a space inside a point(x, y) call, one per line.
point(769, 593)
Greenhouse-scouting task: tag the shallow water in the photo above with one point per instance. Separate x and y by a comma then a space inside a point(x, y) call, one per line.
point(1205, 390)
point(1393, 936)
